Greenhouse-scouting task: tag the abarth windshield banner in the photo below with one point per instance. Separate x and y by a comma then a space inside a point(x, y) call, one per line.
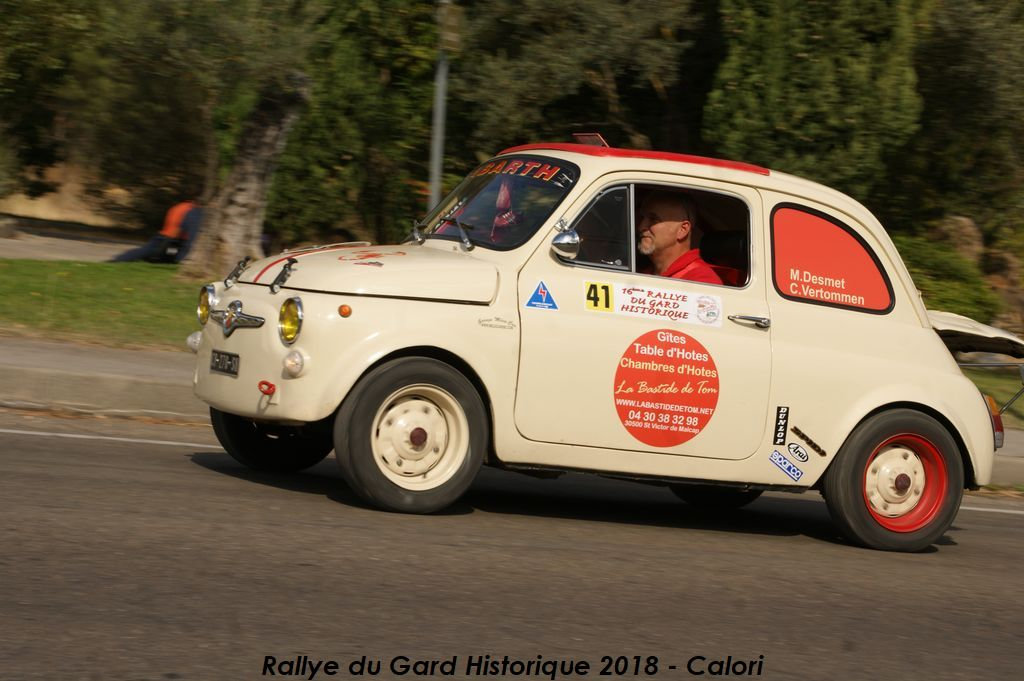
point(504, 202)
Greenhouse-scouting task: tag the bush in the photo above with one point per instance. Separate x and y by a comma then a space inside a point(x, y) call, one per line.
point(947, 280)
point(8, 169)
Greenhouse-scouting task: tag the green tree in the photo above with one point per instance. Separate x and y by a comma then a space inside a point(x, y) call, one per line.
point(534, 69)
point(356, 163)
point(37, 47)
point(967, 158)
point(131, 108)
point(9, 168)
point(946, 279)
point(151, 96)
point(823, 89)
point(189, 98)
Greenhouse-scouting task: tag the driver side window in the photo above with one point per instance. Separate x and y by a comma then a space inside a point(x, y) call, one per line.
point(604, 231)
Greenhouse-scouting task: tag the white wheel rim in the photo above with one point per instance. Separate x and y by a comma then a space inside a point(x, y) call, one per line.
point(420, 437)
point(894, 481)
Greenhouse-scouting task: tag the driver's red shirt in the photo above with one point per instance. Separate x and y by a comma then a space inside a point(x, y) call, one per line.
point(691, 266)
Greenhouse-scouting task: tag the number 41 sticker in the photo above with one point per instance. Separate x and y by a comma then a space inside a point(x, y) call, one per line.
point(600, 297)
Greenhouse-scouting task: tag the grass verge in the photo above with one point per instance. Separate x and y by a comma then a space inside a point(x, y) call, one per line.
point(137, 304)
point(129, 304)
point(1002, 384)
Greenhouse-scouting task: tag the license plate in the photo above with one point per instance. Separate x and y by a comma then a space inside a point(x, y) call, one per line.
point(224, 363)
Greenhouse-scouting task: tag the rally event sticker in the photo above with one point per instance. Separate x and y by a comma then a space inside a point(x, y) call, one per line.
point(653, 303)
point(666, 388)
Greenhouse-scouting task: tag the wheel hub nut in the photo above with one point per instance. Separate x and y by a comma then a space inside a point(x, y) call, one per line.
point(891, 479)
point(418, 438)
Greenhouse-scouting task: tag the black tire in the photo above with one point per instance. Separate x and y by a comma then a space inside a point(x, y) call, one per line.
point(715, 497)
point(269, 448)
point(897, 482)
point(383, 457)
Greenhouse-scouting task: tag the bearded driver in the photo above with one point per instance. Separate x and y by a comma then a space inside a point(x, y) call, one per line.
point(665, 227)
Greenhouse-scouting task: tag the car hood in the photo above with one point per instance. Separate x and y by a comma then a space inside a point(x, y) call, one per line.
point(963, 334)
point(406, 271)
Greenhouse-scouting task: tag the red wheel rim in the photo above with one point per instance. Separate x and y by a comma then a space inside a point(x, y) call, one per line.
point(932, 493)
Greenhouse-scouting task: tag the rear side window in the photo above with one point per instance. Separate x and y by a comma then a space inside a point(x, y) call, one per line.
point(817, 259)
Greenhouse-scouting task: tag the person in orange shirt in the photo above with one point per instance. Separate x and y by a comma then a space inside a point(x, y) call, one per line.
point(665, 229)
point(172, 243)
point(173, 219)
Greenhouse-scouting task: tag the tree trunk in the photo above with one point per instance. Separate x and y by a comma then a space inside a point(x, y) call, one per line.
point(212, 155)
point(233, 220)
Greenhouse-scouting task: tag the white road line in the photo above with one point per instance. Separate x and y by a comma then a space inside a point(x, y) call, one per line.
point(991, 510)
point(962, 508)
point(78, 436)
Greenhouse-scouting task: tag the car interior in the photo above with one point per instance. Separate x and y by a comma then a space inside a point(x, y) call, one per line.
point(722, 232)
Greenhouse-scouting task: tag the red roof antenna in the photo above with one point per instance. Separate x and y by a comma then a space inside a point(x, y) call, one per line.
point(591, 138)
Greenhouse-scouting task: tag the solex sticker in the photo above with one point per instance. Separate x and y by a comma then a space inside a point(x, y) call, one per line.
point(666, 388)
point(653, 303)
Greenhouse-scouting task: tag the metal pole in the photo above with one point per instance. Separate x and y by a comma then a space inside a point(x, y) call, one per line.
point(437, 133)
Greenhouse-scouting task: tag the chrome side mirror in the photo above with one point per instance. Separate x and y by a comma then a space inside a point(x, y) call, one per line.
point(566, 244)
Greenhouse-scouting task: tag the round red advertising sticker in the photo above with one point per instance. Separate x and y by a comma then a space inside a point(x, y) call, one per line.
point(666, 388)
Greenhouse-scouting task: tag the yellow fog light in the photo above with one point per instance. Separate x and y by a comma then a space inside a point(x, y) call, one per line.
point(289, 322)
point(206, 301)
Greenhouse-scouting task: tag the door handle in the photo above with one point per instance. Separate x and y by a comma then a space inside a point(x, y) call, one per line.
point(759, 322)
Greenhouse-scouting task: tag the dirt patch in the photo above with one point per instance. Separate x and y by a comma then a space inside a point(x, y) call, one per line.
point(70, 413)
point(1000, 491)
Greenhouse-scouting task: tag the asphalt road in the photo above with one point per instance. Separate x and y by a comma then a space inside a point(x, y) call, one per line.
point(43, 247)
point(132, 560)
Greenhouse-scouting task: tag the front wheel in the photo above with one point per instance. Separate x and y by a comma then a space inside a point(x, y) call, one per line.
point(411, 435)
point(896, 483)
point(271, 448)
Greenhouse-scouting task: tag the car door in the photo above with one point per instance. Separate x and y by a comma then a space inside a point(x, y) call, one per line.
point(615, 358)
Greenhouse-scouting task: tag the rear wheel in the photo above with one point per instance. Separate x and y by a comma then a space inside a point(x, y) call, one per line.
point(897, 482)
point(272, 448)
point(714, 497)
point(411, 435)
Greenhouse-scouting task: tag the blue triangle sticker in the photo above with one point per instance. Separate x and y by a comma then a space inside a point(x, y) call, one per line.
point(542, 298)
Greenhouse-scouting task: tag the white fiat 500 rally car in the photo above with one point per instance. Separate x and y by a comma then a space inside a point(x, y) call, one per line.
point(518, 327)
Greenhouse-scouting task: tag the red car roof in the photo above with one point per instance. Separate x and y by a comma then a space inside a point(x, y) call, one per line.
point(591, 150)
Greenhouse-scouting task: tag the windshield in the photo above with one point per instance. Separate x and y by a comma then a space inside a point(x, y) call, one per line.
point(504, 202)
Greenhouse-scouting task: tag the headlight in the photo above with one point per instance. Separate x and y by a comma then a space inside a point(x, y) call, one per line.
point(289, 323)
point(207, 297)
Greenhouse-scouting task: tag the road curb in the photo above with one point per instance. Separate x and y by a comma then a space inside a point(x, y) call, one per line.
point(100, 393)
point(1007, 471)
